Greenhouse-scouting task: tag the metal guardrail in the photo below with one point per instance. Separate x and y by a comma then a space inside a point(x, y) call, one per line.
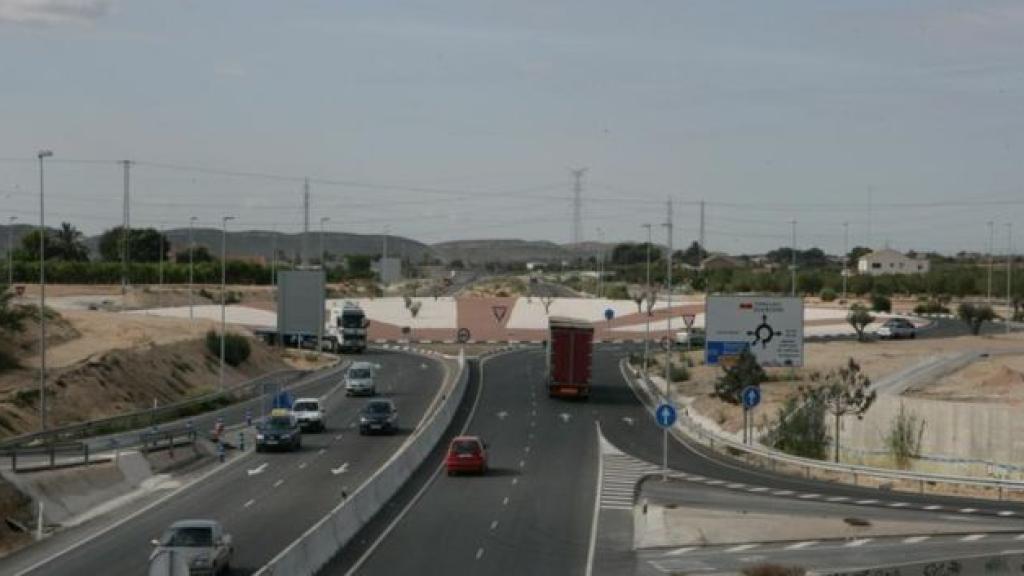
point(54, 456)
point(764, 457)
point(142, 418)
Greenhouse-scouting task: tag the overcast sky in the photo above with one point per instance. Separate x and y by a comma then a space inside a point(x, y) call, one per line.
point(461, 119)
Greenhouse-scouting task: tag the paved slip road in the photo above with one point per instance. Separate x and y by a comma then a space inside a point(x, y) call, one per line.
point(266, 500)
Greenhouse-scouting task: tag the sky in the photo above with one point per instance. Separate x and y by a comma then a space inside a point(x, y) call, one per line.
point(463, 119)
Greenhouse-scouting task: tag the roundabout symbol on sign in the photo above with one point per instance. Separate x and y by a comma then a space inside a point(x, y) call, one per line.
point(764, 333)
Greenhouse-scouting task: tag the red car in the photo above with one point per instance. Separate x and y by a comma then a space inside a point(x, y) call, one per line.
point(466, 454)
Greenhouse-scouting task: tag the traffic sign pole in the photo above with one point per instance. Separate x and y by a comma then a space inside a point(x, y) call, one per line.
point(664, 454)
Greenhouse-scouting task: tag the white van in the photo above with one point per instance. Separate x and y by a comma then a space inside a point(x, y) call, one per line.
point(359, 379)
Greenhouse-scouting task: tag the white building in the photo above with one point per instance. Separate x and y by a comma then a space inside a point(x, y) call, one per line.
point(891, 262)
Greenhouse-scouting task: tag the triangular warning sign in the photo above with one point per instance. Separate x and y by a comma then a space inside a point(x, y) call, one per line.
point(499, 312)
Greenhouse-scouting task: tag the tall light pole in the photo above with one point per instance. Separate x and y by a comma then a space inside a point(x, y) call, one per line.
point(1009, 274)
point(647, 330)
point(191, 262)
point(10, 251)
point(42, 292)
point(846, 256)
point(991, 248)
point(126, 232)
point(223, 290)
point(600, 263)
point(792, 266)
point(323, 268)
point(668, 352)
point(160, 270)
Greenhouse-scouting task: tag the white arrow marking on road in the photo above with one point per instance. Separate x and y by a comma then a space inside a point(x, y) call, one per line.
point(627, 420)
point(502, 415)
point(258, 470)
point(340, 469)
point(565, 416)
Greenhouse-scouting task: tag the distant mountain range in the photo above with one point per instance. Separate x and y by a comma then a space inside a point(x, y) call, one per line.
point(260, 244)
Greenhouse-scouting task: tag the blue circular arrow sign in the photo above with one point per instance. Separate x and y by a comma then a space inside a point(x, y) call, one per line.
point(751, 396)
point(609, 314)
point(665, 415)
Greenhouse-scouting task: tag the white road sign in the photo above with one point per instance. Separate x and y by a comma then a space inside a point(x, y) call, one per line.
point(771, 327)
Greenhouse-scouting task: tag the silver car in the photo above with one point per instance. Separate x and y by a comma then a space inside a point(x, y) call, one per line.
point(200, 545)
point(897, 328)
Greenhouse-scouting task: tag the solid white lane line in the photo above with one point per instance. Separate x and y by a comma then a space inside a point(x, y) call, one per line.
point(681, 551)
point(616, 507)
point(249, 503)
point(915, 539)
point(972, 538)
point(801, 545)
point(742, 548)
point(858, 543)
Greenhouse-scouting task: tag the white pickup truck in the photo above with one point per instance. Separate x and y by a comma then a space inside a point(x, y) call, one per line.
point(309, 414)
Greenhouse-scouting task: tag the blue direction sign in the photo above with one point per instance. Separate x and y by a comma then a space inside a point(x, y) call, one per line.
point(751, 396)
point(609, 314)
point(665, 415)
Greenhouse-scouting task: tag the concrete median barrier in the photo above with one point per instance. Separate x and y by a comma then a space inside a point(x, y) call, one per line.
point(311, 551)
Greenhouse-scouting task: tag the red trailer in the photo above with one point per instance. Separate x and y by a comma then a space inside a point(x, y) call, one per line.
point(570, 348)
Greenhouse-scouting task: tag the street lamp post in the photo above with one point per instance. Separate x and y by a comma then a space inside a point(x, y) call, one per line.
point(846, 256)
point(10, 250)
point(991, 248)
point(160, 270)
point(1009, 274)
point(792, 266)
point(647, 329)
point(42, 293)
point(323, 268)
point(223, 291)
point(191, 261)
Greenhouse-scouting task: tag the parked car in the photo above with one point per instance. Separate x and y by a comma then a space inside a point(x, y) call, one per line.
point(897, 328)
point(201, 545)
point(378, 416)
point(359, 379)
point(309, 414)
point(466, 454)
point(281, 430)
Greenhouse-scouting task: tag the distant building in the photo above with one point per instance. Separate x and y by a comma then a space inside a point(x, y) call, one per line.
point(889, 261)
point(720, 261)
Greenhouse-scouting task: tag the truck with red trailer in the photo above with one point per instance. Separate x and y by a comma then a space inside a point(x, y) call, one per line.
point(570, 349)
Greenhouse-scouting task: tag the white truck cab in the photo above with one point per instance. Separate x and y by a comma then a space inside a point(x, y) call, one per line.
point(310, 414)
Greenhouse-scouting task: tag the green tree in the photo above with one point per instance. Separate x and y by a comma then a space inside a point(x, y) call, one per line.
point(693, 255)
point(30, 247)
point(358, 265)
point(68, 244)
point(881, 303)
point(200, 253)
point(745, 372)
point(845, 391)
point(801, 427)
point(856, 253)
point(859, 318)
point(144, 244)
point(975, 316)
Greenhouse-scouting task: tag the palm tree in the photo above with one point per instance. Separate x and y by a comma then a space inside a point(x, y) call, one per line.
point(67, 244)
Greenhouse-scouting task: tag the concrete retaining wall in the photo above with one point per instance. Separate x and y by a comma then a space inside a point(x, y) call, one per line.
point(332, 533)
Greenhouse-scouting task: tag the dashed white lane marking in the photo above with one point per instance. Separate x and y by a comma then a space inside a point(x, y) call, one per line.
point(933, 507)
point(801, 545)
point(526, 449)
point(783, 493)
point(278, 483)
point(858, 543)
point(758, 489)
point(968, 510)
point(515, 481)
point(522, 463)
point(494, 525)
point(915, 539)
point(741, 548)
point(321, 451)
point(695, 478)
point(258, 470)
point(809, 496)
point(1019, 537)
point(681, 551)
point(867, 501)
point(714, 482)
point(1007, 513)
point(340, 469)
point(898, 505)
point(249, 503)
point(838, 499)
point(505, 501)
point(479, 553)
point(972, 538)
point(736, 485)
point(338, 437)
point(302, 465)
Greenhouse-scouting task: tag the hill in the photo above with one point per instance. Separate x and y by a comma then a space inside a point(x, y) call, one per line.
point(512, 250)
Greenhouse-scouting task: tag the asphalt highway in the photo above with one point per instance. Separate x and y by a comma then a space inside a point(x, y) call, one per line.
point(533, 514)
point(266, 500)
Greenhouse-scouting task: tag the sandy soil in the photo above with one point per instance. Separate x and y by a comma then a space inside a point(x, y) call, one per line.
point(997, 379)
point(876, 359)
